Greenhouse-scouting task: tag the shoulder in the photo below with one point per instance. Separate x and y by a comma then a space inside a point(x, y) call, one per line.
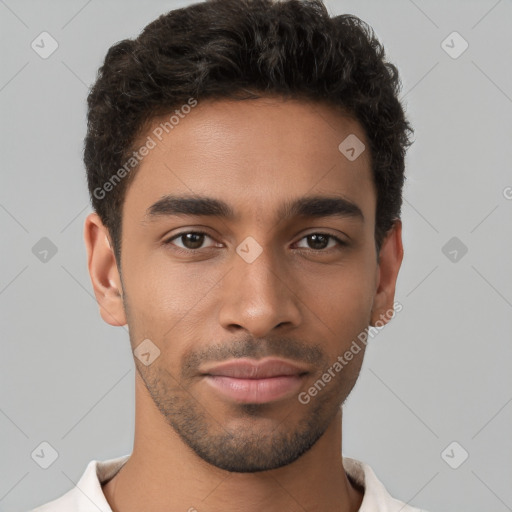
point(87, 495)
point(376, 497)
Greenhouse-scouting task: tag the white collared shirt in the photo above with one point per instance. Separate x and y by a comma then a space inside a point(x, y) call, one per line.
point(87, 495)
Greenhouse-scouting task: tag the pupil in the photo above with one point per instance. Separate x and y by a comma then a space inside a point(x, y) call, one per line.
point(319, 237)
point(189, 240)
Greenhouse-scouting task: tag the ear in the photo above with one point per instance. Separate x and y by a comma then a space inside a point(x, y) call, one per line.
point(391, 255)
point(103, 270)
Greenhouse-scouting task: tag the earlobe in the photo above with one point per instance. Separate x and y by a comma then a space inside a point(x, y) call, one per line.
point(103, 271)
point(391, 256)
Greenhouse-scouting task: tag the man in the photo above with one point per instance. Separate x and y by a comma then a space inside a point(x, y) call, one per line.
point(245, 161)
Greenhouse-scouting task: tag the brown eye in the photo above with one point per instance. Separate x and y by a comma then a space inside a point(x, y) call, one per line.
point(190, 240)
point(319, 241)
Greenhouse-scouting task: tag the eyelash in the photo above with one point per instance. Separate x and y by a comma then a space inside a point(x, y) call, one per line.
point(180, 250)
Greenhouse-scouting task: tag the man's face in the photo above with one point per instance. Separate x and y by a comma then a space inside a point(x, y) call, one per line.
point(259, 285)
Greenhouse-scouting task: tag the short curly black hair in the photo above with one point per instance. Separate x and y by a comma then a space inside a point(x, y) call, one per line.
point(244, 49)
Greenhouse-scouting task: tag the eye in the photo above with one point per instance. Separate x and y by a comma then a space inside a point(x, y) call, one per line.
point(320, 241)
point(191, 240)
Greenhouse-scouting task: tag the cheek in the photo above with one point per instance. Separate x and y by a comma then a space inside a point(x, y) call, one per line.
point(167, 297)
point(341, 297)
point(346, 315)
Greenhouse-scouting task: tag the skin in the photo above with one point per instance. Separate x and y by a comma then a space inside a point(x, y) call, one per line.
point(297, 300)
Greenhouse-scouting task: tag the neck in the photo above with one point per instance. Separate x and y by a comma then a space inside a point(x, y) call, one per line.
point(163, 473)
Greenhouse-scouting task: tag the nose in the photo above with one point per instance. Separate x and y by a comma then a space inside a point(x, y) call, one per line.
point(259, 296)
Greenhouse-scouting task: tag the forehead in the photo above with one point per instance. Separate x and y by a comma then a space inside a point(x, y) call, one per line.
point(253, 154)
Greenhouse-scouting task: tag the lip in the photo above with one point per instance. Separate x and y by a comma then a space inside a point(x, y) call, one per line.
point(252, 381)
point(255, 369)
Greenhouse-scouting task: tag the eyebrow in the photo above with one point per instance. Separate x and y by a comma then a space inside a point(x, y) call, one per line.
point(307, 206)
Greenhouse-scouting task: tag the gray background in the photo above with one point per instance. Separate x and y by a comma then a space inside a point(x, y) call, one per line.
point(438, 373)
